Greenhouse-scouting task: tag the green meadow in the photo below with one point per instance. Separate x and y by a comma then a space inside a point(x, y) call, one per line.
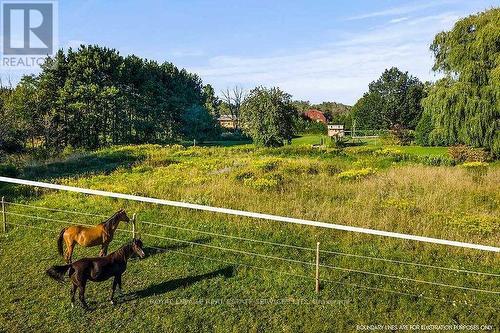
point(187, 283)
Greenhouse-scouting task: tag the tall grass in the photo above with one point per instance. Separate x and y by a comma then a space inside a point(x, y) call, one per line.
point(401, 195)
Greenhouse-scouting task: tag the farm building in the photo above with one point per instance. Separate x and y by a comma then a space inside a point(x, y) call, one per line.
point(228, 121)
point(335, 130)
point(315, 115)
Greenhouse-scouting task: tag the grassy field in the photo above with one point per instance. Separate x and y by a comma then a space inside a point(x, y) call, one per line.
point(183, 287)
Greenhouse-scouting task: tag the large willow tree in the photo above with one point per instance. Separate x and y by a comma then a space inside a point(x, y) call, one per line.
point(464, 106)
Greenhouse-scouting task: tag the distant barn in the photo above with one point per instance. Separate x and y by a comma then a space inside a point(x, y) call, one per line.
point(315, 115)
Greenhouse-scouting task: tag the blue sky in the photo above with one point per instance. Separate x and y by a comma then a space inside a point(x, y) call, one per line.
point(315, 50)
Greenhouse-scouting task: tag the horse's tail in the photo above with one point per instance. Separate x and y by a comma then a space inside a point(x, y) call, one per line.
point(57, 272)
point(60, 242)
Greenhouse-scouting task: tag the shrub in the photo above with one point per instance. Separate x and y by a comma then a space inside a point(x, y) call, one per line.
point(307, 126)
point(355, 174)
point(8, 170)
point(478, 224)
point(301, 167)
point(338, 142)
point(242, 175)
point(332, 169)
point(400, 204)
point(262, 184)
point(402, 135)
point(390, 152)
point(433, 160)
point(476, 169)
point(267, 165)
point(233, 136)
point(462, 153)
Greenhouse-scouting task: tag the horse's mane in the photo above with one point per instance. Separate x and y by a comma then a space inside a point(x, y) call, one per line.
point(124, 251)
point(107, 222)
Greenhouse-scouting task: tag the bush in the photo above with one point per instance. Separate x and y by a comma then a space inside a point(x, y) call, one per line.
point(332, 169)
point(355, 174)
point(476, 169)
point(462, 153)
point(397, 154)
point(233, 136)
point(433, 160)
point(267, 183)
point(242, 175)
point(307, 126)
point(338, 142)
point(402, 135)
point(267, 165)
point(8, 170)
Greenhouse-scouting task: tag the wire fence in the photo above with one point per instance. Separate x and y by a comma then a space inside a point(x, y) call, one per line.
point(265, 256)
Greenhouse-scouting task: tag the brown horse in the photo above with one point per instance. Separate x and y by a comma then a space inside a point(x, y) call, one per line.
point(101, 234)
point(97, 269)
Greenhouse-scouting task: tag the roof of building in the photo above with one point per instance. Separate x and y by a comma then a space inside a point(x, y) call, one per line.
point(314, 114)
point(227, 117)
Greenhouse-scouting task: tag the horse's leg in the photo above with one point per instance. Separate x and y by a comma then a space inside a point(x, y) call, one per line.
point(115, 282)
point(73, 292)
point(119, 282)
point(81, 294)
point(68, 247)
point(70, 252)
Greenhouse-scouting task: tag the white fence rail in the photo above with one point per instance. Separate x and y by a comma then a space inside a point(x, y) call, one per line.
point(251, 214)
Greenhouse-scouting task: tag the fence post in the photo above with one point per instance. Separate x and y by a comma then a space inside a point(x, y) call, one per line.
point(4, 217)
point(317, 267)
point(133, 225)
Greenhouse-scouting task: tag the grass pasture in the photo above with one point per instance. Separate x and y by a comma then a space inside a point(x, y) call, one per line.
point(193, 286)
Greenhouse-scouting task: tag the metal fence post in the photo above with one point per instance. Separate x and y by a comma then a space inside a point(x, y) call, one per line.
point(4, 216)
point(317, 267)
point(133, 225)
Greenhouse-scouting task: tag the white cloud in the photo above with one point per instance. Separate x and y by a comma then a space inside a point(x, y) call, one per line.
point(339, 71)
point(401, 10)
point(397, 20)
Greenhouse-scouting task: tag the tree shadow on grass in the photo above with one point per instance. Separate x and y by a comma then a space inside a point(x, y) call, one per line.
point(171, 285)
point(79, 165)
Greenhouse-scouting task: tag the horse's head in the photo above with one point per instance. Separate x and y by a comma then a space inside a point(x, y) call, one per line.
point(137, 247)
point(122, 216)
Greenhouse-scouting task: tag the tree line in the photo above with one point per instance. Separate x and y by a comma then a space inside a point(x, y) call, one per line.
point(93, 96)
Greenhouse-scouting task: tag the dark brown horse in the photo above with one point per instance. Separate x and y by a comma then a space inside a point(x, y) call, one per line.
point(97, 269)
point(101, 234)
